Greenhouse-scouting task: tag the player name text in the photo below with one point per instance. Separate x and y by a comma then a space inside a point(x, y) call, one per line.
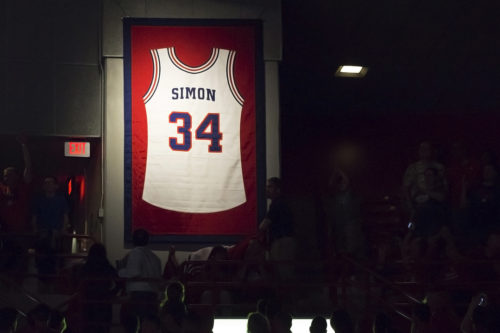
point(193, 93)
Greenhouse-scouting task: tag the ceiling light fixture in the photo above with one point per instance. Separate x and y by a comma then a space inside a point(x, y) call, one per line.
point(351, 71)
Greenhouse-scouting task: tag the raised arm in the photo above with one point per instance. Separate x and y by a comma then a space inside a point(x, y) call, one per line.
point(27, 173)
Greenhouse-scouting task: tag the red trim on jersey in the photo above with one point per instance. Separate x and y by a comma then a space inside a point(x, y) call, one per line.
point(230, 78)
point(156, 76)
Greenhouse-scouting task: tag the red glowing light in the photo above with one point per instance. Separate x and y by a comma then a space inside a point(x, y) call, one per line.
point(82, 188)
point(70, 187)
point(77, 149)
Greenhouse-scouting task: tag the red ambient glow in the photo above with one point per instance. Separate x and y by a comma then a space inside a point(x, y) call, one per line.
point(82, 188)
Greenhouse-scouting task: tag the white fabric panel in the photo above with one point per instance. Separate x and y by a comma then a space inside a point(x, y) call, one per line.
point(193, 180)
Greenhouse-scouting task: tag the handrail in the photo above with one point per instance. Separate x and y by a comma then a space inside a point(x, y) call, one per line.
point(270, 264)
point(385, 282)
point(55, 255)
point(33, 235)
point(212, 282)
point(21, 289)
point(455, 262)
point(382, 279)
point(398, 311)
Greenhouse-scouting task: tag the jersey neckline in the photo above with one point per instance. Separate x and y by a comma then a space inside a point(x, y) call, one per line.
point(198, 69)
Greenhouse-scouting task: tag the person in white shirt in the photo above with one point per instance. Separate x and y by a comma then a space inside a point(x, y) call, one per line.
point(141, 262)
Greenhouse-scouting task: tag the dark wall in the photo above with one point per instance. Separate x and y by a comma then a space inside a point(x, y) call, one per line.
point(50, 80)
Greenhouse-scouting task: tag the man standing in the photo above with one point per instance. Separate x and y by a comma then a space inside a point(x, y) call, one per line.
point(15, 196)
point(49, 221)
point(141, 262)
point(414, 180)
point(279, 226)
point(50, 214)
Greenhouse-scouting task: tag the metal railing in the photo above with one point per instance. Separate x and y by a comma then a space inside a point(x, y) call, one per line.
point(333, 274)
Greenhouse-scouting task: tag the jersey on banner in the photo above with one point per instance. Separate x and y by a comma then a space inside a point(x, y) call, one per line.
point(193, 120)
point(194, 136)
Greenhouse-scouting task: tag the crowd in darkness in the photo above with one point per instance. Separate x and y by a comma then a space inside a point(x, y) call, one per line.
point(447, 248)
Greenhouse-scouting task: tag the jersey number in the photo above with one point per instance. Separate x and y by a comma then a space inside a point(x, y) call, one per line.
point(214, 135)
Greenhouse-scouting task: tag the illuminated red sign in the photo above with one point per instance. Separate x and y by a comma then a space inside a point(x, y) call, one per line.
point(77, 149)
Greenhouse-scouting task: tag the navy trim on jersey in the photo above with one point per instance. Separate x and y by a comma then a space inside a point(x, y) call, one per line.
point(127, 153)
point(260, 122)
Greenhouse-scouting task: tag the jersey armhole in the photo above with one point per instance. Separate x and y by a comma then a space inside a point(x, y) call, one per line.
point(230, 78)
point(156, 76)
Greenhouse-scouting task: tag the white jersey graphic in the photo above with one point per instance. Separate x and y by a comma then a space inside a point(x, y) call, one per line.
point(193, 115)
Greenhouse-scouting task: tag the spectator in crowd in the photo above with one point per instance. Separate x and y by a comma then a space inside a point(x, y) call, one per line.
point(278, 224)
point(262, 306)
point(57, 323)
point(421, 317)
point(341, 322)
point(269, 307)
point(430, 212)
point(98, 283)
point(150, 323)
point(50, 221)
point(192, 323)
point(254, 273)
point(488, 156)
point(193, 268)
point(482, 316)
point(318, 325)
point(486, 319)
point(15, 200)
point(428, 236)
point(207, 320)
point(467, 324)
point(281, 322)
point(38, 319)
point(486, 264)
point(15, 193)
point(141, 262)
point(173, 310)
point(433, 258)
point(257, 323)
point(130, 323)
point(8, 320)
point(415, 183)
point(462, 173)
point(483, 203)
point(217, 271)
point(343, 211)
point(172, 267)
point(443, 317)
point(50, 214)
point(382, 324)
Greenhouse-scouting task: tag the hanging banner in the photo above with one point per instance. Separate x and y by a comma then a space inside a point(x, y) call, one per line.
point(194, 129)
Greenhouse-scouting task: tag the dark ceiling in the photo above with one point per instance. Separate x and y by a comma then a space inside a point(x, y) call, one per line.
point(423, 56)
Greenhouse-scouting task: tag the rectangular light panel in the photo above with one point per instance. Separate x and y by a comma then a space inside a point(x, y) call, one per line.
point(351, 69)
point(240, 325)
